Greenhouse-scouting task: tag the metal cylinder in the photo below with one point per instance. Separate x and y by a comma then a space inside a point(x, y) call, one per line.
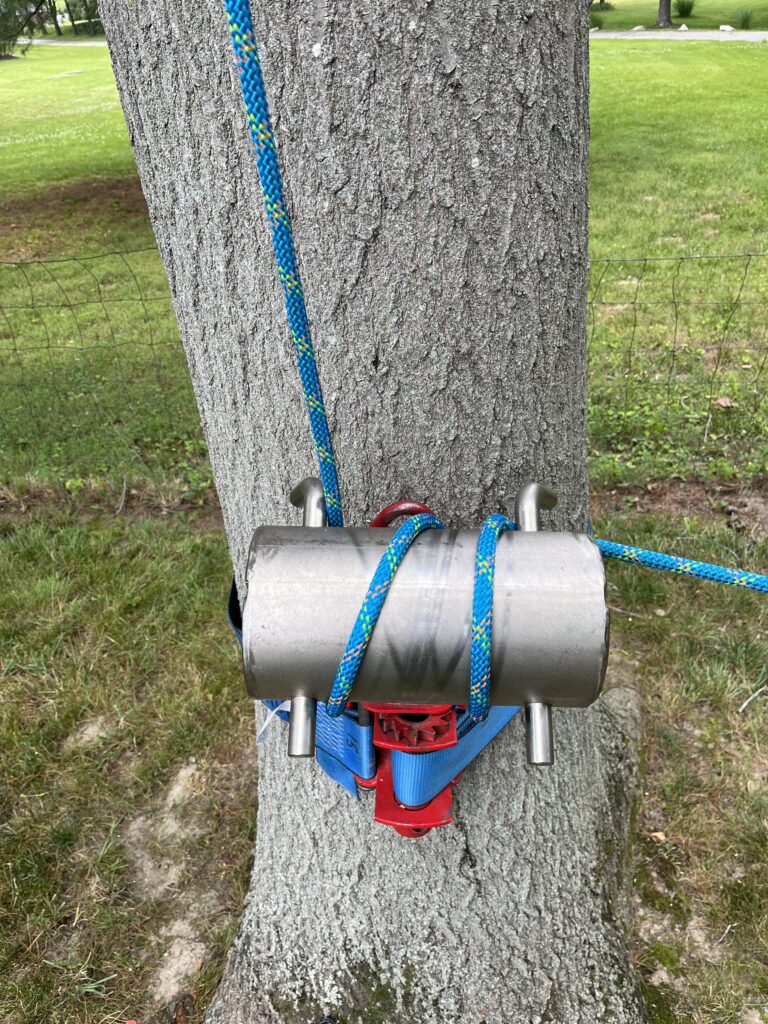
point(306, 585)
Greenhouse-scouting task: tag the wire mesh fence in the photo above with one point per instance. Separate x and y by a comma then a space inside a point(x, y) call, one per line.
point(678, 350)
point(94, 381)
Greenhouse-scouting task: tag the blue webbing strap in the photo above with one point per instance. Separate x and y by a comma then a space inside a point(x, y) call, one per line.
point(418, 778)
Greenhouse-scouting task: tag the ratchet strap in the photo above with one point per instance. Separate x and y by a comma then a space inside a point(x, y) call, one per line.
point(346, 751)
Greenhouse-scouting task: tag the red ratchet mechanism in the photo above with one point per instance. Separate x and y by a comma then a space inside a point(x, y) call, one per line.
point(412, 728)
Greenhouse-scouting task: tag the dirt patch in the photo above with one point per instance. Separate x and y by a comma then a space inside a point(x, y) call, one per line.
point(53, 222)
point(89, 733)
point(745, 509)
point(183, 959)
point(177, 881)
point(94, 500)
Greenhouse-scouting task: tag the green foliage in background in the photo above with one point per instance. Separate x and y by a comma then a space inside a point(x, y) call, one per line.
point(13, 16)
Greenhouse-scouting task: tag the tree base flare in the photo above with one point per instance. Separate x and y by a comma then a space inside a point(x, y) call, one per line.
point(516, 914)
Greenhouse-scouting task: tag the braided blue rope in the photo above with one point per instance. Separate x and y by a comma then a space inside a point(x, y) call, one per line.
point(260, 125)
point(373, 602)
point(481, 641)
point(482, 616)
point(683, 566)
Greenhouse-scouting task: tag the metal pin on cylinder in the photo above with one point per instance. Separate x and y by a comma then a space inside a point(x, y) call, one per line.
point(308, 495)
point(539, 739)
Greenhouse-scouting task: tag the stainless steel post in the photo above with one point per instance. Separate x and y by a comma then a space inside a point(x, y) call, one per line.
point(538, 734)
point(309, 496)
point(539, 739)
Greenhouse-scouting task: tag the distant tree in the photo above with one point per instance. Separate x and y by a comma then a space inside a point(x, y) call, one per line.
point(72, 17)
point(664, 19)
point(90, 9)
point(80, 11)
point(16, 20)
point(53, 15)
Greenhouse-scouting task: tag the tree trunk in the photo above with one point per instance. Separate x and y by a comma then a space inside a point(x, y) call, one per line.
point(53, 15)
point(75, 30)
point(436, 160)
point(664, 19)
point(90, 15)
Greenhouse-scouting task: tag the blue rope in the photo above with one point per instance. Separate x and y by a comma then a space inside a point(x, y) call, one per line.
point(373, 602)
point(683, 566)
point(259, 123)
point(482, 601)
point(482, 616)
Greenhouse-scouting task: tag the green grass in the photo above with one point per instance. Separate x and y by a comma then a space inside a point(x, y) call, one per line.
point(678, 148)
point(117, 622)
point(94, 369)
point(706, 14)
point(678, 168)
point(702, 834)
point(62, 120)
point(68, 35)
point(95, 380)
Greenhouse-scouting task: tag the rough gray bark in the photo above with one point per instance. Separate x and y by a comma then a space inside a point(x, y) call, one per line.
point(436, 158)
point(664, 19)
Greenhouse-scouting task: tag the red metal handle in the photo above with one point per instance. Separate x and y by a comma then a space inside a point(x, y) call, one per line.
point(396, 509)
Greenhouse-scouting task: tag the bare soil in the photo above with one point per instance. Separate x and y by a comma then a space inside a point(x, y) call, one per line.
point(61, 220)
point(745, 509)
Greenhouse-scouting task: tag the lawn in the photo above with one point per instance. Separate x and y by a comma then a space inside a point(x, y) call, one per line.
point(67, 175)
point(626, 14)
point(668, 341)
point(125, 748)
point(679, 148)
point(61, 119)
point(119, 676)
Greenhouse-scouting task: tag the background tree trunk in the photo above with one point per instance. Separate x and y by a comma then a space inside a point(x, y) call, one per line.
point(436, 160)
point(53, 15)
point(75, 30)
point(664, 19)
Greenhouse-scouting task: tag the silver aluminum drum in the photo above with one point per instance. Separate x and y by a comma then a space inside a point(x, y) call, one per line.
point(306, 585)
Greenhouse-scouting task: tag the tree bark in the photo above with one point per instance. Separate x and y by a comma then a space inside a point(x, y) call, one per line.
point(75, 30)
point(664, 19)
point(53, 15)
point(435, 158)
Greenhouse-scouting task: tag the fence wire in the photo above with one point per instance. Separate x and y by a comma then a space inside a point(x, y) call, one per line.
point(94, 381)
point(678, 349)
